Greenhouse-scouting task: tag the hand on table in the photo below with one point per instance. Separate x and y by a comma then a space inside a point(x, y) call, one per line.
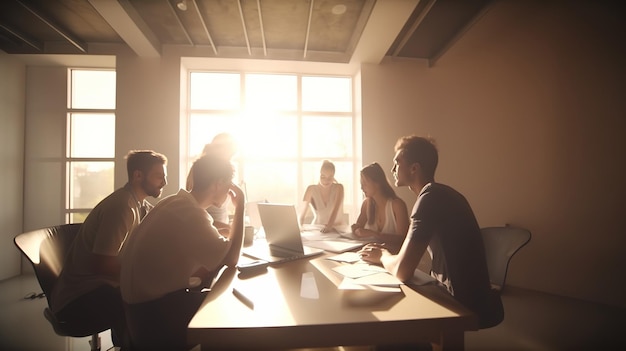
point(372, 252)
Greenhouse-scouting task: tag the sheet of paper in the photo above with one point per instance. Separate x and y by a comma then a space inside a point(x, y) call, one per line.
point(381, 279)
point(349, 257)
point(369, 267)
point(351, 284)
point(308, 287)
point(333, 245)
point(353, 270)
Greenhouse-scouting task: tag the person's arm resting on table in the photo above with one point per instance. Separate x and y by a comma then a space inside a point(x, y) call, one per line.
point(402, 265)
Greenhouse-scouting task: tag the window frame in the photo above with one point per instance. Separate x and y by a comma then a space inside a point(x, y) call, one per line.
point(69, 212)
point(352, 199)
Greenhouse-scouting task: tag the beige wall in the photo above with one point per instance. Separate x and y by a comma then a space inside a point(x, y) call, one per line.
point(148, 112)
point(12, 96)
point(528, 111)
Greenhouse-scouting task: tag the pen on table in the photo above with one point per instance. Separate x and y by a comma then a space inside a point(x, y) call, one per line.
point(246, 301)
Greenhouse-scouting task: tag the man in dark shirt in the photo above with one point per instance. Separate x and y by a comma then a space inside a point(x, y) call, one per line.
point(443, 223)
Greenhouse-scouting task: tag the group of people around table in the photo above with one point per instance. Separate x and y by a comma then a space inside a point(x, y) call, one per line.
point(138, 266)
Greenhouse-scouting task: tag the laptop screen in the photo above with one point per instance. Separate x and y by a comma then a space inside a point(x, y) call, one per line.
point(280, 223)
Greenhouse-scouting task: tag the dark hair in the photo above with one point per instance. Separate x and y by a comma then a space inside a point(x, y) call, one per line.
point(211, 168)
point(143, 161)
point(420, 150)
point(376, 174)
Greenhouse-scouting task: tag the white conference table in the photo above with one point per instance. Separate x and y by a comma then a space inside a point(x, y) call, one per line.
point(283, 318)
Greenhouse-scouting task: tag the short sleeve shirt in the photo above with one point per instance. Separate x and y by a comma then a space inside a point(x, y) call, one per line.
point(458, 255)
point(103, 233)
point(175, 240)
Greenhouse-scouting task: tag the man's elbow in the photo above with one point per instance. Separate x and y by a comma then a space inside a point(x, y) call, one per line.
point(404, 276)
point(403, 273)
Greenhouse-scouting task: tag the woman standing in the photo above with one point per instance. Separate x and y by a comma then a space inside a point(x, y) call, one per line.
point(326, 198)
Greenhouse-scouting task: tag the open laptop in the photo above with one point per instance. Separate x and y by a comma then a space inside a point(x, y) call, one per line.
point(282, 233)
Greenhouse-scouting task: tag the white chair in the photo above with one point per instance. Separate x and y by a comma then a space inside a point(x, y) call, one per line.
point(501, 243)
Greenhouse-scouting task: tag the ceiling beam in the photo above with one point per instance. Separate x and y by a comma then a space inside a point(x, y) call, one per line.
point(125, 20)
point(449, 43)
point(204, 27)
point(383, 26)
point(308, 28)
point(67, 36)
point(180, 23)
point(258, 5)
point(414, 26)
point(23, 37)
point(245, 30)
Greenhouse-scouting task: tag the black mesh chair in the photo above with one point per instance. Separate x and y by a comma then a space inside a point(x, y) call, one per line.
point(46, 249)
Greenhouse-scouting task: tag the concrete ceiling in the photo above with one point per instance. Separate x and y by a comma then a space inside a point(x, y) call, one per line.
point(335, 31)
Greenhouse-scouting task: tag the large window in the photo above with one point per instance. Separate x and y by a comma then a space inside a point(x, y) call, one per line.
point(285, 125)
point(90, 139)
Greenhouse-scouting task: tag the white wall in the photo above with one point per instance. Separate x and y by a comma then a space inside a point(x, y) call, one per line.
point(528, 111)
point(12, 96)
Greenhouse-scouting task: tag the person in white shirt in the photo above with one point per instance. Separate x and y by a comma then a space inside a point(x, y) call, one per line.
point(224, 146)
point(384, 216)
point(177, 248)
point(326, 198)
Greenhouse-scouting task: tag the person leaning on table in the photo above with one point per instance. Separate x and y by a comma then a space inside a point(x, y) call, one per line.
point(175, 245)
point(443, 222)
point(326, 198)
point(224, 146)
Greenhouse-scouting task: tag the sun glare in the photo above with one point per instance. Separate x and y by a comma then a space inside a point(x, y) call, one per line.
point(284, 125)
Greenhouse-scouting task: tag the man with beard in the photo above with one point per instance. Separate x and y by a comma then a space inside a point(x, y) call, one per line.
point(88, 287)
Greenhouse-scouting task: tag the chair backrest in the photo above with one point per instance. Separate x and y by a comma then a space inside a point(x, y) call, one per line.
point(46, 249)
point(501, 243)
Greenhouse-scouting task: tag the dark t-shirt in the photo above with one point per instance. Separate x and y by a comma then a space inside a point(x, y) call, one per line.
point(442, 217)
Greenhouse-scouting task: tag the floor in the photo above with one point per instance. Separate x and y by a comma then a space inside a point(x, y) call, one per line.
point(533, 321)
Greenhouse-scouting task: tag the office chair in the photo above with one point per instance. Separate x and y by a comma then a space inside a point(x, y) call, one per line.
point(501, 243)
point(46, 249)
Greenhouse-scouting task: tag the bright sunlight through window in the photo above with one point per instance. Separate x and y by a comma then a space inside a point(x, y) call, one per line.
point(90, 141)
point(285, 126)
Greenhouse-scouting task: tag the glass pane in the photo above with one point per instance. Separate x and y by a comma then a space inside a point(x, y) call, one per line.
point(204, 127)
point(271, 181)
point(215, 91)
point(327, 94)
point(268, 136)
point(78, 217)
point(93, 89)
point(90, 182)
point(271, 92)
point(326, 137)
point(92, 135)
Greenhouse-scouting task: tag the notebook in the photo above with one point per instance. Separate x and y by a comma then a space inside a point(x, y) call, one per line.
point(282, 233)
